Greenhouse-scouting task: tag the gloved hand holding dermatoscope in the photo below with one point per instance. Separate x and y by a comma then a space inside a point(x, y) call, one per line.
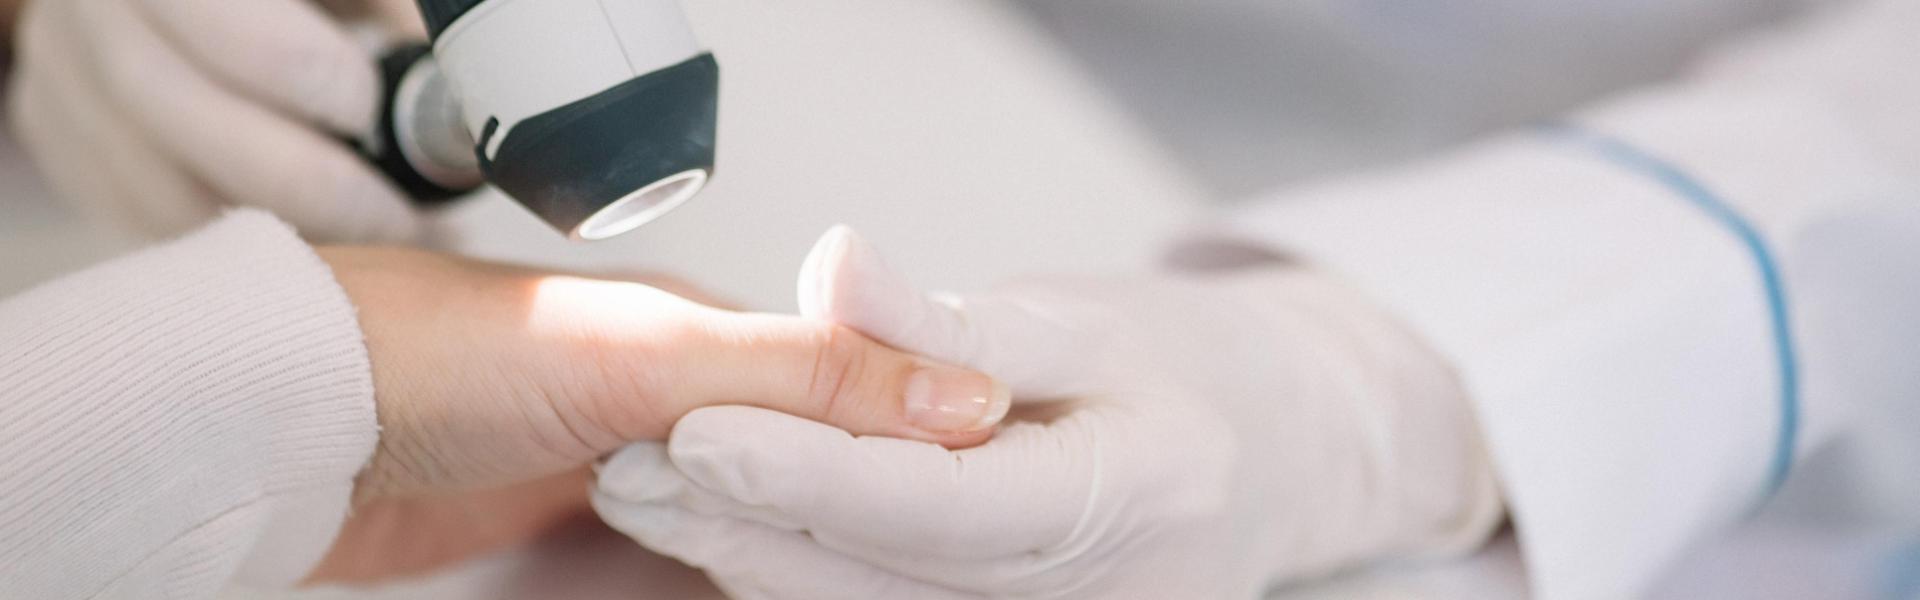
point(597, 116)
point(157, 115)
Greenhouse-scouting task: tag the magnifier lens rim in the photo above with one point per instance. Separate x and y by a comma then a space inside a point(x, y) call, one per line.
point(643, 205)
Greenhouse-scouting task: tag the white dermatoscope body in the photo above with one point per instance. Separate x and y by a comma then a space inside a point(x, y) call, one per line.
point(596, 115)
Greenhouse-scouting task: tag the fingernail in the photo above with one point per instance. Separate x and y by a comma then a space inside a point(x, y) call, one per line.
point(951, 400)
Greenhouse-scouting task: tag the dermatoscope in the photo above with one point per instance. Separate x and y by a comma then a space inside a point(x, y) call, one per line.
point(596, 115)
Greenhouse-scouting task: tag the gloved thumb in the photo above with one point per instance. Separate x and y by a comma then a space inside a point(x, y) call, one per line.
point(1040, 346)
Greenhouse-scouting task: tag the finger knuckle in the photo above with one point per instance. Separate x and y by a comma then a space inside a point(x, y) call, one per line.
point(841, 363)
point(620, 393)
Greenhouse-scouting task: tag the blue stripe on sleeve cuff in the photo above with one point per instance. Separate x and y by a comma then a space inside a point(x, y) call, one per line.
point(1633, 159)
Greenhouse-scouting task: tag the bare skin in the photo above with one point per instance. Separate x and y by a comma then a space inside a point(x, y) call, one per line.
point(496, 387)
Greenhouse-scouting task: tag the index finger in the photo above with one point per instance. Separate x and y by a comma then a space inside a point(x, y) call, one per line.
point(1026, 491)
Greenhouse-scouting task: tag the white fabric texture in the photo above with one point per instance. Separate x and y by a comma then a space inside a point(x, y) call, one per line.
point(1614, 337)
point(180, 419)
point(1199, 437)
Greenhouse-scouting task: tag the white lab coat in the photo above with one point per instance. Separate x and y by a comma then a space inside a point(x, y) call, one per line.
point(1618, 339)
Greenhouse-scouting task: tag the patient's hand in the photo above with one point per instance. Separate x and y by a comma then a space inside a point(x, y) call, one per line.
point(495, 386)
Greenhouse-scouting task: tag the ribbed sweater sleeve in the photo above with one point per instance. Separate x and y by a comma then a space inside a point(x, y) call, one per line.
point(180, 419)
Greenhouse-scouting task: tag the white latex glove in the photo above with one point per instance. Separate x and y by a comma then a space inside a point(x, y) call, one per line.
point(1202, 437)
point(154, 114)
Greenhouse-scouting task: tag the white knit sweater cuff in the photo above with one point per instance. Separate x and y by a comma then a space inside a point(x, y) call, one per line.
point(220, 379)
point(326, 429)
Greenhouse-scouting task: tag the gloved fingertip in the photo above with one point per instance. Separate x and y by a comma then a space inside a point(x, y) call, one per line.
point(375, 212)
point(846, 281)
point(820, 270)
point(355, 113)
point(716, 434)
point(721, 447)
point(639, 472)
point(649, 523)
point(345, 92)
point(630, 455)
point(405, 227)
point(380, 229)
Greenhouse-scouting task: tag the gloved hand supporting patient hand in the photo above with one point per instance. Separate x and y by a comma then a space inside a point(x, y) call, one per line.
point(1178, 438)
point(154, 114)
point(495, 387)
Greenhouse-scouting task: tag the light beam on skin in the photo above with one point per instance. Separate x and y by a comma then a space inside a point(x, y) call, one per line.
point(577, 306)
point(613, 346)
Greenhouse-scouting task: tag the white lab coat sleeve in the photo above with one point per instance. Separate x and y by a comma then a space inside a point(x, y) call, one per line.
point(180, 419)
point(1614, 328)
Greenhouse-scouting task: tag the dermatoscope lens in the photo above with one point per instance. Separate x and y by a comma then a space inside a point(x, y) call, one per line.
point(647, 204)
